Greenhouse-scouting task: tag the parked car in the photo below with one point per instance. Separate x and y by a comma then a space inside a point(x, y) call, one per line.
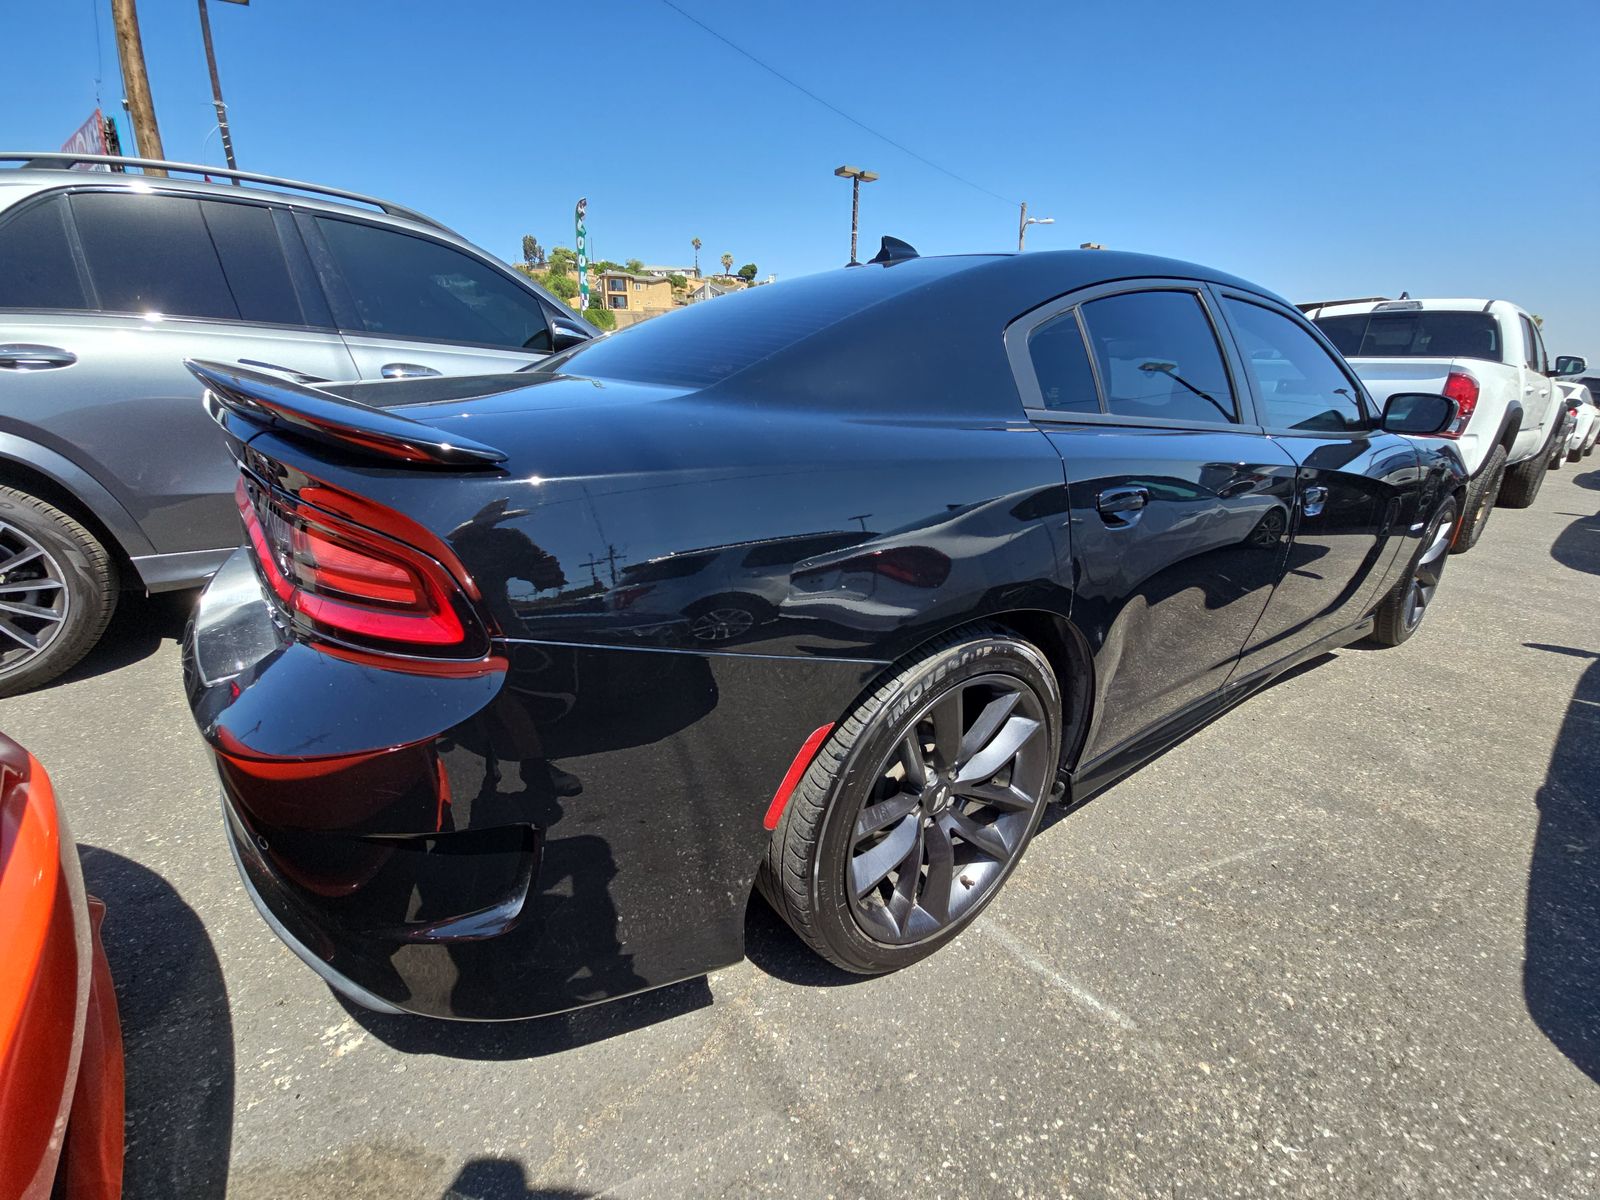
point(1581, 423)
point(61, 1101)
point(1573, 375)
point(1487, 355)
point(111, 476)
point(1068, 506)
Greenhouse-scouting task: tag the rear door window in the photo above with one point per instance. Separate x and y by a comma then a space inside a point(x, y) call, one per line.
point(404, 286)
point(1158, 358)
point(36, 267)
point(1530, 345)
point(1298, 383)
point(246, 242)
point(151, 254)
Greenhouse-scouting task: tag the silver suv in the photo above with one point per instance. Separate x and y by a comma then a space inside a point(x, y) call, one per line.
point(111, 475)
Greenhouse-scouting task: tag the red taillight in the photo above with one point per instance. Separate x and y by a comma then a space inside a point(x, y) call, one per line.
point(1463, 389)
point(919, 566)
point(346, 582)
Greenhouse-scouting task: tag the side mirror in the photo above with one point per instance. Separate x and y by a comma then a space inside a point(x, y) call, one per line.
point(1418, 413)
point(1570, 364)
point(567, 334)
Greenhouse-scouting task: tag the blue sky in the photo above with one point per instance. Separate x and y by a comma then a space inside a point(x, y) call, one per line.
point(1438, 146)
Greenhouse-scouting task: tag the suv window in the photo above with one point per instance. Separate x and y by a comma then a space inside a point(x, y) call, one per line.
point(183, 257)
point(36, 268)
point(1299, 384)
point(405, 286)
point(1530, 344)
point(1431, 334)
point(1159, 358)
point(151, 254)
point(1061, 364)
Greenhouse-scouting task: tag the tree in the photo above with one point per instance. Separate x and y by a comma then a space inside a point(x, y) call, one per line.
point(564, 286)
point(605, 264)
point(600, 317)
point(562, 260)
point(635, 266)
point(727, 263)
point(532, 252)
point(747, 272)
point(1538, 322)
point(696, 243)
point(680, 283)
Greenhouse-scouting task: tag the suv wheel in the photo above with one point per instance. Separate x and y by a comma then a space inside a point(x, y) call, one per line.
point(1524, 480)
point(58, 588)
point(1482, 493)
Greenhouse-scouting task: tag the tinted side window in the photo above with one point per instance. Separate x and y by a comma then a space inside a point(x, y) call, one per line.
point(1299, 383)
point(36, 268)
point(1530, 347)
point(1159, 358)
point(252, 262)
point(1061, 363)
point(405, 286)
point(151, 254)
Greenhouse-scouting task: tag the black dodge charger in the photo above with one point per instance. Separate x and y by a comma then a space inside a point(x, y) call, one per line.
point(520, 685)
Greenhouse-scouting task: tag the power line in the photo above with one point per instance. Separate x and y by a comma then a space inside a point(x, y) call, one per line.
point(834, 108)
point(99, 58)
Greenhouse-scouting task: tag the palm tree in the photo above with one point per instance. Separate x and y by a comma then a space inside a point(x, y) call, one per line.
point(727, 263)
point(696, 243)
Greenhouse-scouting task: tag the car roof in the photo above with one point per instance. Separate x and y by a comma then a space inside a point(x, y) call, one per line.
point(19, 182)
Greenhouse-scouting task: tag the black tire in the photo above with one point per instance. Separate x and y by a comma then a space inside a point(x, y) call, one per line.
point(73, 578)
point(1575, 455)
point(813, 853)
point(1401, 612)
point(1482, 493)
point(1524, 480)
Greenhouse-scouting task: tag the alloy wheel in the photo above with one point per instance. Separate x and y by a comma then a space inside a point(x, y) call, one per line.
point(1429, 570)
point(720, 624)
point(33, 598)
point(950, 808)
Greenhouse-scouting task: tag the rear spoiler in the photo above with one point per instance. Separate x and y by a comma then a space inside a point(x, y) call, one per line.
point(274, 402)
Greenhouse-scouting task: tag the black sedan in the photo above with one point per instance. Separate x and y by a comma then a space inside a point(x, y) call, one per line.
point(520, 685)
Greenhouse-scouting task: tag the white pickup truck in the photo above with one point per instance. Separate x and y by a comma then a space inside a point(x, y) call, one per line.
point(1488, 356)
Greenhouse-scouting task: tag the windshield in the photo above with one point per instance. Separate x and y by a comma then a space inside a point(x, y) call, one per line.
point(1415, 335)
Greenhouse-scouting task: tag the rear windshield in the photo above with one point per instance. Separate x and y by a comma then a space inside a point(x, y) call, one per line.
point(706, 342)
point(1415, 335)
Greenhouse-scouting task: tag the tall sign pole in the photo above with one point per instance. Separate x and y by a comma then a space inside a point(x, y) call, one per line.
point(216, 88)
point(583, 256)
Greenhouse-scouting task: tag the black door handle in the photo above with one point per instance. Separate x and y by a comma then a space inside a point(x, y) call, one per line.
point(1122, 501)
point(24, 356)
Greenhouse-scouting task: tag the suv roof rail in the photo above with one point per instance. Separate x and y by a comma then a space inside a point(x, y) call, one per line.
point(65, 160)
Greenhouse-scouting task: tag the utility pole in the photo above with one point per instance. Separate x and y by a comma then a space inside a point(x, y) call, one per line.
point(216, 88)
point(141, 108)
point(857, 177)
point(1024, 220)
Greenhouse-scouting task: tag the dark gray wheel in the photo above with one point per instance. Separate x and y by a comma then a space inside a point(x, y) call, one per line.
point(1402, 610)
point(920, 804)
point(1482, 493)
point(57, 591)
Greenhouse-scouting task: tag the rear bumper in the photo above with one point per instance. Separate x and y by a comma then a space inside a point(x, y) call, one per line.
point(575, 824)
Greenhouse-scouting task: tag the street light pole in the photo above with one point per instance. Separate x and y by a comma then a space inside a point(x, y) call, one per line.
point(216, 87)
point(857, 177)
point(1024, 220)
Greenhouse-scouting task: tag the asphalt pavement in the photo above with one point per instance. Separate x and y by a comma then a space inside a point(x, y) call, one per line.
point(1345, 941)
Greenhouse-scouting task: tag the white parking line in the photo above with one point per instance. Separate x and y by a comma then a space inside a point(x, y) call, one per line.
point(1014, 947)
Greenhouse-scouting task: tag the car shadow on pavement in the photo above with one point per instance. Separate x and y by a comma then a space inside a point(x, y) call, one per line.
point(176, 1031)
point(1589, 479)
point(537, 1036)
point(137, 629)
point(503, 1179)
point(776, 949)
point(1562, 958)
point(1578, 546)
